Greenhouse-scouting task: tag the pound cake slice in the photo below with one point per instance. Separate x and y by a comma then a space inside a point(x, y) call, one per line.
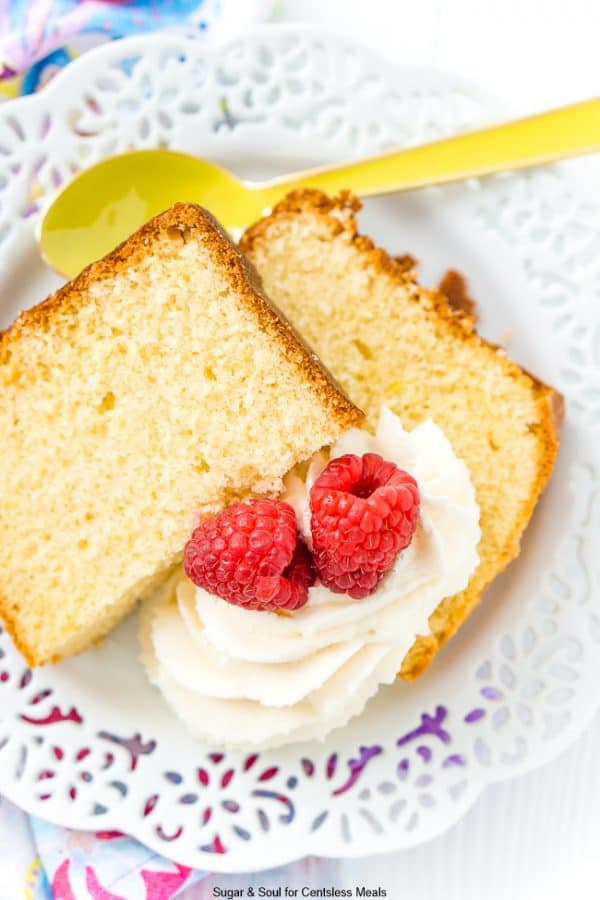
point(390, 341)
point(157, 385)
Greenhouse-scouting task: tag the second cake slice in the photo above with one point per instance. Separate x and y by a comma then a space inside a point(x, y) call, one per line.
point(392, 342)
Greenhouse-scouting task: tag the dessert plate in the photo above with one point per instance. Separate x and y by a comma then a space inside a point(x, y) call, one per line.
point(89, 743)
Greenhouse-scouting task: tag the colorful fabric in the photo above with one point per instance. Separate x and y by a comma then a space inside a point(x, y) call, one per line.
point(40, 861)
point(40, 37)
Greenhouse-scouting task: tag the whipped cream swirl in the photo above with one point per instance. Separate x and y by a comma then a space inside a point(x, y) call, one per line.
point(262, 679)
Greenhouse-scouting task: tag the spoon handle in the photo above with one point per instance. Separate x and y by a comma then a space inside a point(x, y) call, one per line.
point(565, 132)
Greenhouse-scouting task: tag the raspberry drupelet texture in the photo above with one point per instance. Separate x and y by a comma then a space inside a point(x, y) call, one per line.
point(364, 511)
point(252, 556)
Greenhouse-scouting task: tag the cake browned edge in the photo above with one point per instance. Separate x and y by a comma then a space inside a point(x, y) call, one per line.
point(187, 219)
point(341, 212)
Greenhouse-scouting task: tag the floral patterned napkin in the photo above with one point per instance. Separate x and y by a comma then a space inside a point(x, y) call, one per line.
point(39, 861)
point(40, 37)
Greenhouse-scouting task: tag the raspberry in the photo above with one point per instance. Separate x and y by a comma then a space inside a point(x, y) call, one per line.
point(252, 556)
point(364, 512)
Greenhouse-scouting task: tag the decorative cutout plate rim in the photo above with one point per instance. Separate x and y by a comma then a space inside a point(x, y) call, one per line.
point(518, 685)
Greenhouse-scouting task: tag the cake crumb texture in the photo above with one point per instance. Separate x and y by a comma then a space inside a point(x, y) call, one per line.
point(159, 386)
point(390, 341)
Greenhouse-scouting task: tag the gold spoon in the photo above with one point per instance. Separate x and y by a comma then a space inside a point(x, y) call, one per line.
point(104, 204)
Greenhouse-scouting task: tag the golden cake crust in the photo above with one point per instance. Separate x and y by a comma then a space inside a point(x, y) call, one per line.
point(242, 277)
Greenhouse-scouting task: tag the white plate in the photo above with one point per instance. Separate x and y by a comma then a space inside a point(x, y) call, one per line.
point(89, 743)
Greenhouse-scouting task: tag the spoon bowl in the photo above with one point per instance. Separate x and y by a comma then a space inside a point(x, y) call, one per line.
point(104, 204)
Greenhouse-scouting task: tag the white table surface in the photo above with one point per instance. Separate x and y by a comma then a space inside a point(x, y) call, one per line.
point(537, 836)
